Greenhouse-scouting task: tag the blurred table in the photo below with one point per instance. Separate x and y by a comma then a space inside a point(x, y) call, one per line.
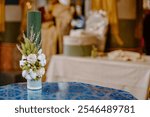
point(133, 77)
point(62, 91)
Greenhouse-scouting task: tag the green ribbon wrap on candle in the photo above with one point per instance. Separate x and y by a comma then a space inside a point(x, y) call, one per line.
point(34, 21)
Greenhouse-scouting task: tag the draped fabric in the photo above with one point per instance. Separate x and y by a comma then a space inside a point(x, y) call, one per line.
point(2, 15)
point(110, 6)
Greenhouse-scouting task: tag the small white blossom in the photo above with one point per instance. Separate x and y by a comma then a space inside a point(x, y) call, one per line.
point(22, 62)
point(43, 62)
point(28, 77)
point(32, 74)
point(41, 72)
point(31, 58)
point(24, 73)
point(29, 74)
point(41, 57)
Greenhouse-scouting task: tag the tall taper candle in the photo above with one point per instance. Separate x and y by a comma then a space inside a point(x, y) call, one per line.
point(34, 20)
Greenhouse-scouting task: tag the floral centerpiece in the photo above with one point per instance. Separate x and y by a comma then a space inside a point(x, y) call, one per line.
point(33, 60)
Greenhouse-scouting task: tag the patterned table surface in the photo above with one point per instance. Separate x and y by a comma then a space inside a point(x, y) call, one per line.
point(62, 91)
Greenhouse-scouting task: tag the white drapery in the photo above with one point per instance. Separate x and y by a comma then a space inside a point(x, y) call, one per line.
point(132, 77)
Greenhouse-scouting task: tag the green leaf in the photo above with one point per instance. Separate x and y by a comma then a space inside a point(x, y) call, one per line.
point(28, 52)
point(31, 34)
point(37, 41)
point(23, 48)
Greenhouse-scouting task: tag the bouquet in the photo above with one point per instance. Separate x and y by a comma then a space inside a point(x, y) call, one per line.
point(33, 60)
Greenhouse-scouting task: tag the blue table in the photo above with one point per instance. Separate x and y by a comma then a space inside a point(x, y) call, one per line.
point(62, 91)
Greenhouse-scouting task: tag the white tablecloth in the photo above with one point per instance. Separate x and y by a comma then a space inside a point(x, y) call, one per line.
point(133, 77)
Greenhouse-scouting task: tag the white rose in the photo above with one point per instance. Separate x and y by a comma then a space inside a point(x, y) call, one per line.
point(32, 74)
point(29, 74)
point(40, 72)
point(24, 73)
point(28, 77)
point(41, 57)
point(22, 62)
point(43, 62)
point(31, 58)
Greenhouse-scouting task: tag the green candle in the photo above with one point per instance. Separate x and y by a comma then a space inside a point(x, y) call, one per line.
point(34, 21)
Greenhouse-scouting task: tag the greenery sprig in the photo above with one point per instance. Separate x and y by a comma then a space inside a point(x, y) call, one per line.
point(33, 59)
point(31, 44)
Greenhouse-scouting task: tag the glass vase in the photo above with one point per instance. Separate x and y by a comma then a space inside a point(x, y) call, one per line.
point(34, 84)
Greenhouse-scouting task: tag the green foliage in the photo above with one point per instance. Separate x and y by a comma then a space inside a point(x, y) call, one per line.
point(31, 45)
point(28, 47)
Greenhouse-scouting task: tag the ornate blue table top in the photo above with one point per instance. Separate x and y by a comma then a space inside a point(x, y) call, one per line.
point(62, 91)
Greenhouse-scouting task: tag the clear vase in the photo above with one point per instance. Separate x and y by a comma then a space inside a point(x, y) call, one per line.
point(34, 94)
point(34, 84)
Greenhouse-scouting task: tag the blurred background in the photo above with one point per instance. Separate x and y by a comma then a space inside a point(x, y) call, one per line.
point(128, 27)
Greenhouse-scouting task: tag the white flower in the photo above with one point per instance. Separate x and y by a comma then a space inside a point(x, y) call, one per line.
point(29, 74)
point(31, 58)
point(28, 77)
point(43, 62)
point(32, 74)
point(24, 73)
point(41, 72)
point(30, 61)
point(40, 51)
point(41, 57)
point(22, 62)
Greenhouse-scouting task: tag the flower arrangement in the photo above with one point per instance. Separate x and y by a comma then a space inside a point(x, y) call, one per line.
point(33, 60)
